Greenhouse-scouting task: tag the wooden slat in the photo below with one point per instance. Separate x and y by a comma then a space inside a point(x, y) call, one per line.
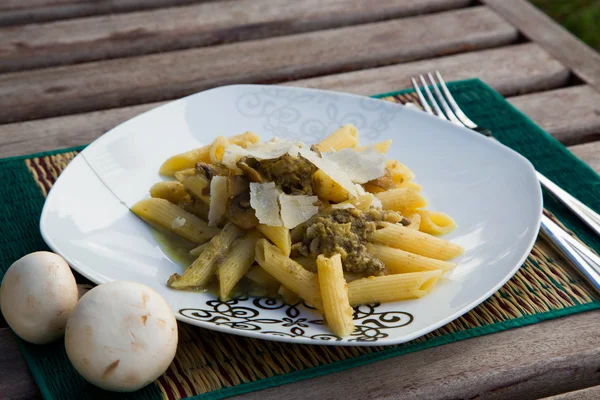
point(113, 83)
point(62, 132)
point(121, 35)
point(572, 115)
point(510, 70)
point(592, 393)
point(520, 68)
point(526, 363)
point(589, 153)
point(16, 382)
point(15, 12)
point(565, 47)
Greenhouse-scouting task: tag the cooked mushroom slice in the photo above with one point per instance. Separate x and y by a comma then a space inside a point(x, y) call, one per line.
point(251, 173)
point(241, 213)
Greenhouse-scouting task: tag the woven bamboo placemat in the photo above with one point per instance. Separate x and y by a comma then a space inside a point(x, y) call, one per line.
point(212, 365)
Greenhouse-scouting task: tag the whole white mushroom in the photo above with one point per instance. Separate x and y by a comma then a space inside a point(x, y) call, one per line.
point(121, 336)
point(37, 296)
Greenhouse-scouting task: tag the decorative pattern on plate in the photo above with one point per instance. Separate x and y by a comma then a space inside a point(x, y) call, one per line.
point(282, 117)
point(245, 314)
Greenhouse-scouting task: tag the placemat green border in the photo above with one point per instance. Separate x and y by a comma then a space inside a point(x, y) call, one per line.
point(367, 358)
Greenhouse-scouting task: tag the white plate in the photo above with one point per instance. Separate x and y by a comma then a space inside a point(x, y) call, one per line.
point(490, 190)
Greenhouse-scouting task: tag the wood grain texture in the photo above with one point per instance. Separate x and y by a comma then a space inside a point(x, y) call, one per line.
point(525, 363)
point(572, 114)
point(510, 70)
point(16, 382)
point(113, 83)
point(121, 35)
point(62, 132)
point(592, 393)
point(561, 44)
point(17, 12)
point(514, 69)
point(589, 153)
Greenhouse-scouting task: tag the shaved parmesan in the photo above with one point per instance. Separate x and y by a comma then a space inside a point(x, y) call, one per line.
point(342, 206)
point(360, 167)
point(297, 209)
point(264, 200)
point(218, 200)
point(177, 222)
point(260, 151)
point(331, 169)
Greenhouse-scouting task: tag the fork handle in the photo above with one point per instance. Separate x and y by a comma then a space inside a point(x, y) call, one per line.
point(586, 214)
point(578, 254)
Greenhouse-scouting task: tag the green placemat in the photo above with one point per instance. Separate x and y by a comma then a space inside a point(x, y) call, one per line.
point(212, 365)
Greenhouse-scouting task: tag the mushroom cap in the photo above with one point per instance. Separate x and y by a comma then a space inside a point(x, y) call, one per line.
point(37, 296)
point(121, 336)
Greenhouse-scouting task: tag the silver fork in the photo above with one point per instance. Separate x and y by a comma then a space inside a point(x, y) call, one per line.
point(442, 104)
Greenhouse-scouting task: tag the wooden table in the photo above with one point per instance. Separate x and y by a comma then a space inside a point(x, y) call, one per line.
point(72, 69)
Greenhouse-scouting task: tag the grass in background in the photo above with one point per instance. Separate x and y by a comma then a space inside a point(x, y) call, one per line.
point(580, 17)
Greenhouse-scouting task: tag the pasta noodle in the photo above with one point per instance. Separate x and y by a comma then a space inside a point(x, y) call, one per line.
point(334, 292)
point(346, 136)
point(166, 215)
point(190, 158)
point(279, 235)
point(400, 262)
point(169, 190)
point(237, 262)
point(416, 242)
point(435, 223)
point(289, 273)
point(198, 275)
point(383, 289)
point(401, 199)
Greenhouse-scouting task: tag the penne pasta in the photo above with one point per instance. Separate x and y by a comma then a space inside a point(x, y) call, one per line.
point(415, 221)
point(327, 189)
point(399, 171)
point(236, 263)
point(400, 262)
point(403, 238)
point(199, 273)
point(401, 199)
point(166, 215)
point(334, 294)
point(289, 273)
point(386, 288)
point(190, 158)
point(346, 136)
point(217, 149)
point(196, 183)
point(279, 235)
point(172, 191)
point(410, 185)
point(435, 223)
